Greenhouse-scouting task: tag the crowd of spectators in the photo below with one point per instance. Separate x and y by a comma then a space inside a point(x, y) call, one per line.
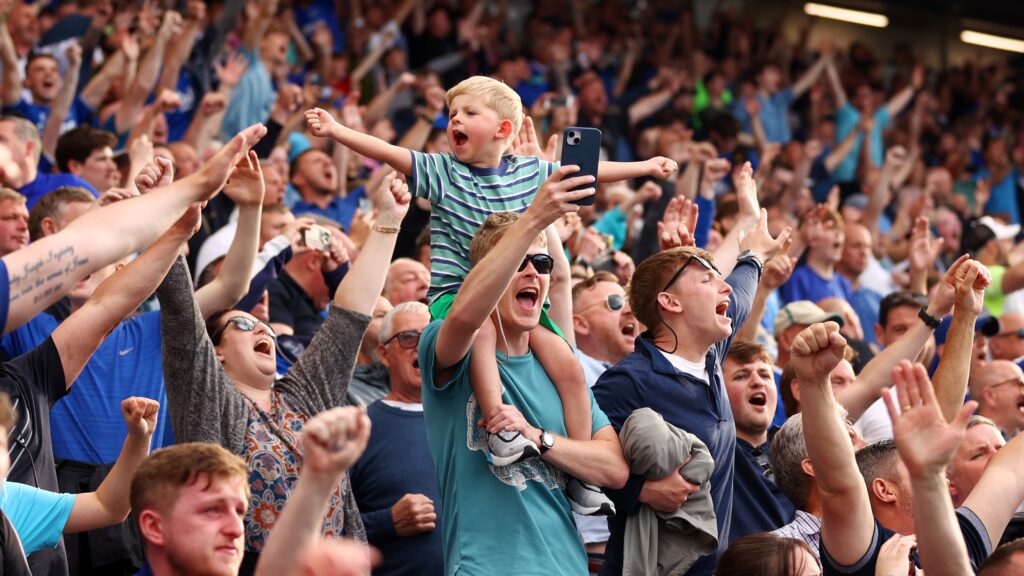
point(321, 259)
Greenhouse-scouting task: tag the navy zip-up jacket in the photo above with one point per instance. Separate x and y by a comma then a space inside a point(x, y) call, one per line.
point(646, 379)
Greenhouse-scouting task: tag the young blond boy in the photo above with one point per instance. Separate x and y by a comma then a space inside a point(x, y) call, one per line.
point(464, 187)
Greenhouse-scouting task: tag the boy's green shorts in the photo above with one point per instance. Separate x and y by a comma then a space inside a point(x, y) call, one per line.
point(441, 306)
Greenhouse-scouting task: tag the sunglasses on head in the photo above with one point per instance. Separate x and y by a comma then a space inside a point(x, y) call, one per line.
point(542, 263)
point(614, 302)
point(244, 324)
point(407, 339)
point(700, 260)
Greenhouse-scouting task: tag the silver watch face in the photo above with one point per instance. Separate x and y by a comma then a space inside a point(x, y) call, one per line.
point(547, 440)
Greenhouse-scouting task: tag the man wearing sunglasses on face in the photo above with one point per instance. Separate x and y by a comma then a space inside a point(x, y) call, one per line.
point(523, 505)
point(606, 331)
point(394, 481)
point(691, 313)
point(221, 387)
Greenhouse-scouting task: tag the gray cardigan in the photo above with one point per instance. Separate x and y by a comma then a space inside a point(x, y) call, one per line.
point(202, 400)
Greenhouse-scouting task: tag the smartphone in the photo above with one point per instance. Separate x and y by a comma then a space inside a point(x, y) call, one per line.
point(317, 237)
point(582, 147)
point(558, 102)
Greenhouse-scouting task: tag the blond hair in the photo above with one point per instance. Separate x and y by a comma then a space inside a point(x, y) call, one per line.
point(491, 232)
point(496, 95)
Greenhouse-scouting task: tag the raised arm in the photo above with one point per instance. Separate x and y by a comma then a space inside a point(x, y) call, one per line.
point(805, 81)
point(776, 273)
point(118, 296)
point(181, 46)
point(96, 90)
point(365, 280)
point(836, 83)
point(847, 523)
point(147, 75)
point(560, 291)
point(490, 277)
point(926, 445)
point(877, 374)
point(899, 101)
point(42, 272)
point(322, 123)
point(11, 91)
point(62, 103)
point(259, 14)
point(110, 504)
point(955, 365)
point(246, 188)
point(331, 443)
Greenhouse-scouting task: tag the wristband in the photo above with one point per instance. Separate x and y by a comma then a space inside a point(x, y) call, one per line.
point(754, 257)
point(929, 320)
point(386, 229)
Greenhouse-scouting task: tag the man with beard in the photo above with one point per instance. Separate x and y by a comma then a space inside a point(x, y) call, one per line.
point(315, 176)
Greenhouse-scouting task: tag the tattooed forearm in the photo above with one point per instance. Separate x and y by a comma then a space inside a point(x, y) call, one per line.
point(45, 277)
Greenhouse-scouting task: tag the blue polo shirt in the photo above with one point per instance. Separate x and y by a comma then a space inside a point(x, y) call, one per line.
point(46, 183)
point(805, 284)
point(774, 115)
point(646, 379)
point(340, 209)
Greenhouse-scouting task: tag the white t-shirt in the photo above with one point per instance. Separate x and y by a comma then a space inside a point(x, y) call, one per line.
point(875, 424)
point(697, 370)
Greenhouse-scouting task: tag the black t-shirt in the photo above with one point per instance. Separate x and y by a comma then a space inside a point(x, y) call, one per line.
point(290, 305)
point(35, 381)
point(971, 527)
point(13, 562)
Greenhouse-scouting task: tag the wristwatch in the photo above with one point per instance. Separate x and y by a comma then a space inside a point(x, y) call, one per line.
point(929, 320)
point(547, 440)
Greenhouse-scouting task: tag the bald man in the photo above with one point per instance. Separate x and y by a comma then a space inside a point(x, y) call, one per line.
point(999, 389)
point(1008, 344)
point(407, 281)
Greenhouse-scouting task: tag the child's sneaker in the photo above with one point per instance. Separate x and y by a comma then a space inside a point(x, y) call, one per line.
point(509, 447)
point(588, 500)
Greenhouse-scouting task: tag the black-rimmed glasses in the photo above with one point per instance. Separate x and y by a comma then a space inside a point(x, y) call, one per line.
point(407, 339)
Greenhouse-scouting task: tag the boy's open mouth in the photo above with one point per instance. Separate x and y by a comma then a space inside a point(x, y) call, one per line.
point(460, 138)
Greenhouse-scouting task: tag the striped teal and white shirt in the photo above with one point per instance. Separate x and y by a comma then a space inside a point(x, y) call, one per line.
point(462, 197)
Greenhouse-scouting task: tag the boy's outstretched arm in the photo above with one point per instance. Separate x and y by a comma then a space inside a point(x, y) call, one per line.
point(657, 167)
point(322, 123)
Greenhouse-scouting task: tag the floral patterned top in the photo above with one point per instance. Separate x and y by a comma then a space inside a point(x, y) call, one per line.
point(205, 406)
point(274, 456)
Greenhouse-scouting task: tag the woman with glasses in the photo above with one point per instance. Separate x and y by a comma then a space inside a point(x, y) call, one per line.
point(221, 387)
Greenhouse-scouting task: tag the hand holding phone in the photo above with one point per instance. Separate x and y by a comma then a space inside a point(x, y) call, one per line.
point(582, 147)
point(318, 238)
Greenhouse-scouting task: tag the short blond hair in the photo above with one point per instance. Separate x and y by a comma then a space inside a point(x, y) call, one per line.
point(496, 95)
point(491, 232)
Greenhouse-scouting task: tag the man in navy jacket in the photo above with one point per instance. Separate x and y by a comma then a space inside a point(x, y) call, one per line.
point(692, 313)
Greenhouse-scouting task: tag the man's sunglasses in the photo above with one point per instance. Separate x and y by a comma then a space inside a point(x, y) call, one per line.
point(244, 324)
point(542, 263)
point(614, 302)
point(705, 263)
point(407, 339)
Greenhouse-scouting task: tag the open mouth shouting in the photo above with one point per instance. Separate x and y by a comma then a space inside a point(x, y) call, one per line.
point(264, 346)
point(527, 298)
point(629, 330)
point(722, 307)
point(460, 139)
point(758, 399)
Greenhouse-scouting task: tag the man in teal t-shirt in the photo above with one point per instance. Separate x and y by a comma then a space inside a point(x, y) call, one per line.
point(509, 519)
